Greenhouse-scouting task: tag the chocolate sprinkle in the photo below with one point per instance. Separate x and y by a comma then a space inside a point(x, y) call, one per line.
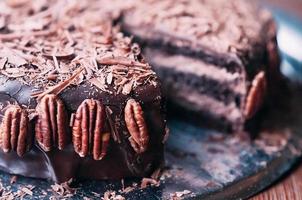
point(45, 42)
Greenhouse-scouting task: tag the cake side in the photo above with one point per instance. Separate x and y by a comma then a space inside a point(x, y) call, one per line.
point(185, 45)
point(76, 95)
point(201, 88)
point(224, 33)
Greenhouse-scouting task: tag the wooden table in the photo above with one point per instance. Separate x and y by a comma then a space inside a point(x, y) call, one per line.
point(288, 188)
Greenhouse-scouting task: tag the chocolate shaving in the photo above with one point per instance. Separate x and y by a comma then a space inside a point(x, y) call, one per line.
point(127, 88)
point(35, 94)
point(27, 191)
point(63, 190)
point(61, 86)
point(96, 82)
point(120, 61)
point(3, 61)
point(149, 181)
point(128, 189)
point(157, 173)
point(111, 195)
point(72, 118)
point(14, 75)
point(12, 56)
point(180, 194)
point(12, 36)
point(114, 132)
point(57, 66)
point(68, 56)
point(108, 79)
point(52, 77)
point(13, 179)
point(16, 3)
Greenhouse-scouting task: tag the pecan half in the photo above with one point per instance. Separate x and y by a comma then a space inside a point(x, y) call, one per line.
point(135, 122)
point(256, 95)
point(87, 131)
point(51, 123)
point(15, 133)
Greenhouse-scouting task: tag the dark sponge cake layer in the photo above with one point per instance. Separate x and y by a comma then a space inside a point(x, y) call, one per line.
point(191, 38)
point(77, 100)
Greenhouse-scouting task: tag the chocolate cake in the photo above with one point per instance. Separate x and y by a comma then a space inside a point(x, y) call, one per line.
point(77, 99)
point(217, 59)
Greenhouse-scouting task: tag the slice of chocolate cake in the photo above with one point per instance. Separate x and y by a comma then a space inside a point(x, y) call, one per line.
point(76, 98)
point(215, 57)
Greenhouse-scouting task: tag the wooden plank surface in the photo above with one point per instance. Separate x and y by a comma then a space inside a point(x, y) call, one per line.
point(288, 188)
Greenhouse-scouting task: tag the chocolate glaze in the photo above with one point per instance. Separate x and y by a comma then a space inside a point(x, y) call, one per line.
point(120, 161)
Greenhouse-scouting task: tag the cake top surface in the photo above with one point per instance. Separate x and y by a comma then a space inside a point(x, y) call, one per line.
point(219, 25)
point(51, 44)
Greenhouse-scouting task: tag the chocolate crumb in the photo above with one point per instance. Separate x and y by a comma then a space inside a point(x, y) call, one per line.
point(149, 181)
point(13, 179)
point(64, 189)
point(179, 195)
point(111, 195)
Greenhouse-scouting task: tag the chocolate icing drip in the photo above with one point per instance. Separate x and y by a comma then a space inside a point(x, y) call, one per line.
point(120, 161)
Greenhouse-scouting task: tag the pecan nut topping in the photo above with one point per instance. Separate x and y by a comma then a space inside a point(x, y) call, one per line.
point(51, 123)
point(135, 122)
point(15, 133)
point(256, 95)
point(88, 134)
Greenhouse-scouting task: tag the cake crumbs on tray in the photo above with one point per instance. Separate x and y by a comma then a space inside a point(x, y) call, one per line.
point(13, 179)
point(111, 195)
point(272, 142)
point(22, 192)
point(128, 189)
point(179, 195)
point(64, 190)
point(149, 181)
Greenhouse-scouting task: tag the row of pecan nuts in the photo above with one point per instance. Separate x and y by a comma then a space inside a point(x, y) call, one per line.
point(89, 135)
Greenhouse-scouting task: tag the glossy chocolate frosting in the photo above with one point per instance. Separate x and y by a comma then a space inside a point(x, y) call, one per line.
point(120, 161)
point(71, 50)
